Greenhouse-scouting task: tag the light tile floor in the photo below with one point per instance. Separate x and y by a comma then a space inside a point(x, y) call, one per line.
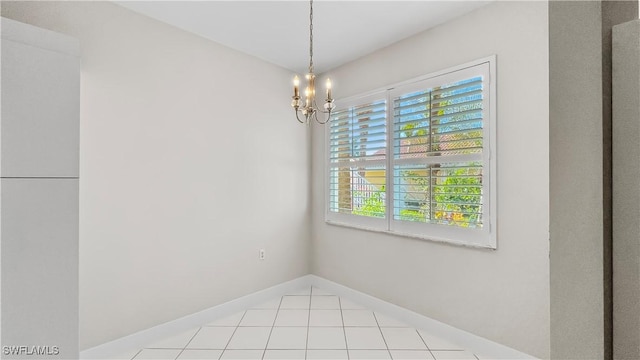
point(307, 324)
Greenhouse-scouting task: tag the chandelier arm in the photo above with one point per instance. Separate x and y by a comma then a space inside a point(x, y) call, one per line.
point(327, 118)
point(315, 113)
point(298, 118)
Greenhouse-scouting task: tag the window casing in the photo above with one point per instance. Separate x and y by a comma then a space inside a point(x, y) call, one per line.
point(415, 158)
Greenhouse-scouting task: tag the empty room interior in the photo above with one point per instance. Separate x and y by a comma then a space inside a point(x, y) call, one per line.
point(320, 180)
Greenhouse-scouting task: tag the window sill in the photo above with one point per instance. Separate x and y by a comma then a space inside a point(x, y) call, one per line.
point(411, 236)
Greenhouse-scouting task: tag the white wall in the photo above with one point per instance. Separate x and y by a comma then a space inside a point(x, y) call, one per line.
point(502, 295)
point(179, 137)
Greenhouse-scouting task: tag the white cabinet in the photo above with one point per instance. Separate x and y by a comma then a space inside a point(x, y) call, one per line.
point(39, 147)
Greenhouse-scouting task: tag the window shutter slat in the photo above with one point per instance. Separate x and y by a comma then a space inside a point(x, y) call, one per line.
point(358, 136)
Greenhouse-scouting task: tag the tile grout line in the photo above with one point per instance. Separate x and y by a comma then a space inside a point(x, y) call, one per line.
point(188, 342)
point(306, 345)
point(232, 334)
point(324, 326)
point(138, 353)
point(344, 330)
point(272, 326)
point(382, 334)
point(425, 344)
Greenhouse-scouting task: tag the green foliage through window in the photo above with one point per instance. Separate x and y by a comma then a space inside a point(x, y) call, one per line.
point(373, 205)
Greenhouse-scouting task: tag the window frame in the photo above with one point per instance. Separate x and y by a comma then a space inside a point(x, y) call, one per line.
point(485, 237)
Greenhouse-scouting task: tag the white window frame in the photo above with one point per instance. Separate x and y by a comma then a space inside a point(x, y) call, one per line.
point(485, 237)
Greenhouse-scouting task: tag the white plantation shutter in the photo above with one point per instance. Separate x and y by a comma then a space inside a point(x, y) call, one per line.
point(438, 144)
point(439, 166)
point(357, 159)
point(358, 133)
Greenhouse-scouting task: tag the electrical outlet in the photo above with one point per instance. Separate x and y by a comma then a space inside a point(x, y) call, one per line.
point(262, 254)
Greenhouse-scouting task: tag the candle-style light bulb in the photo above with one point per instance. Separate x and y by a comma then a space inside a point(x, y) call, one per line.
point(328, 89)
point(296, 83)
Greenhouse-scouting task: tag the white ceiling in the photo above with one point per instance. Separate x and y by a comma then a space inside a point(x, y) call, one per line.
point(278, 31)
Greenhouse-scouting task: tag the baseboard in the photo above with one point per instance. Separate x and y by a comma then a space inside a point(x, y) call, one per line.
point(476, 344)
point(140, 339)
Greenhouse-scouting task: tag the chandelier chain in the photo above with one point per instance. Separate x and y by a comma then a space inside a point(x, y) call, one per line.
point(309, 108)
point(311, 37)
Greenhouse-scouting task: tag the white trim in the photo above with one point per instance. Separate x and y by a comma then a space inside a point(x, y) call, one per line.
point(353, 98)
point(357, 221)
point(357, 163)
point(443, 159)
point(142, 338)
point(466, 340)
point(493, 152)
point(412, 235)
point(390, 188)
point(33, 36)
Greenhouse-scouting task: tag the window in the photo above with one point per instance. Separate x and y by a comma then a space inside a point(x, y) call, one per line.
point(415, 159)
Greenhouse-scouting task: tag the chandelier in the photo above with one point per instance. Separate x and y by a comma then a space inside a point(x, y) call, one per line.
point(310, 109)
